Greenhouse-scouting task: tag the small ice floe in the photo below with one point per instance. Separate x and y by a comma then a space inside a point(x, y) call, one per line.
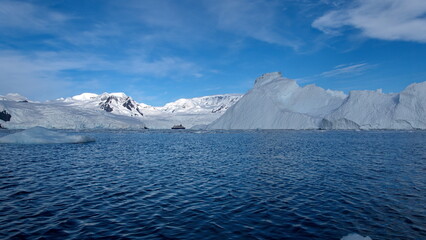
point(41, 135)
point(354, 236)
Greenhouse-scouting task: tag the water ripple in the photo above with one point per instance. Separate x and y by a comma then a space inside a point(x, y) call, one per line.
point(220, 184)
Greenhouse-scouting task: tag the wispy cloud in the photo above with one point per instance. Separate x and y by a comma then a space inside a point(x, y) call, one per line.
point(380, 19)
point(39, 73)
point(165, 66)
point(255, 19)
point(35, 79)
point(189, 21)
point(339, 71)
point(346, 69)
point(29, 17)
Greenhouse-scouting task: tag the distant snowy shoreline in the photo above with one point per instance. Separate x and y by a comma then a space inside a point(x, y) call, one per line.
point(274, 102)
point(110, 111)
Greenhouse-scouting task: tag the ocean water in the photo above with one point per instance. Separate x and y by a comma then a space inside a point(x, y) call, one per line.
point(216, 185)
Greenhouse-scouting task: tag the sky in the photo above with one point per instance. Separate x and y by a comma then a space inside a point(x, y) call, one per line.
point(158, 51)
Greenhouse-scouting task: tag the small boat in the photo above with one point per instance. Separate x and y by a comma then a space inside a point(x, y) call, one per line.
point(178, 127)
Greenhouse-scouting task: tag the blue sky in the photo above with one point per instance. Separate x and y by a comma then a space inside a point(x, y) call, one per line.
point(160, 50)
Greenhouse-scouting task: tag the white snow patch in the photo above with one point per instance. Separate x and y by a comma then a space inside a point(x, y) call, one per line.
point(13, 97)
point(117, 94)
point(85, 97)
point(354, 236)
point(40, 135)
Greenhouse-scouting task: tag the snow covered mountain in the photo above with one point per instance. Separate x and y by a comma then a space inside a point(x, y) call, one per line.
point(62, 114)
point(188, 112)
point(110, 111)
point(213, 104)
point(280, 103)
point(116, 103)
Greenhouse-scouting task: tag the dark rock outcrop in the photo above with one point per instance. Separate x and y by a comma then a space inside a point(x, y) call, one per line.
point(128, 104)
point(5, 116)
point(139, 111)
point(106, 105)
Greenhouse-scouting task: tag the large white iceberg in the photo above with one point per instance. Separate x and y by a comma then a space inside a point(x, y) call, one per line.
point(280, 103)
point(40, 135)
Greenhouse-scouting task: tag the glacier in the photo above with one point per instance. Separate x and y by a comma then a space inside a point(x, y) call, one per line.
point(110, 111)
point(63, 115)
point(190, 112)
point(40, 135)
point(276, 102)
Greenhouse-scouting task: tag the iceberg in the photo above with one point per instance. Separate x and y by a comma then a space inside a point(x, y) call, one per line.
point(41, 135)
point(354, 236)
point(276, 102)
point(376, 110)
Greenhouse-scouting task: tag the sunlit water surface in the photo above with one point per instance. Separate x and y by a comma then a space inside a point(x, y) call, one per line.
point(216, 185)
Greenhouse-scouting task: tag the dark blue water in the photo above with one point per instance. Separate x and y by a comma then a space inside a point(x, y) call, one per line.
point(217, 185)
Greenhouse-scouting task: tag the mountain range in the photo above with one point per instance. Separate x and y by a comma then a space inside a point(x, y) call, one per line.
point(110, 111)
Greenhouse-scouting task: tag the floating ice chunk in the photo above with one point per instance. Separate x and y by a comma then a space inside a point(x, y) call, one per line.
point(40, 135)
point(354, 236)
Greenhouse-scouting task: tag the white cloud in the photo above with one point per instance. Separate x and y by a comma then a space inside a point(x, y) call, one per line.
point(34, 79)
point(339, 71)
point(205, 20)
point(27, 16)
point(380, 19)
point(346, 69)
point(165, 66)
point(42, 75)
point(251, 18)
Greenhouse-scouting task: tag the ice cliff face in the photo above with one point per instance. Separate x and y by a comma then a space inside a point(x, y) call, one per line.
point(279, 103)
point(376, 110)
